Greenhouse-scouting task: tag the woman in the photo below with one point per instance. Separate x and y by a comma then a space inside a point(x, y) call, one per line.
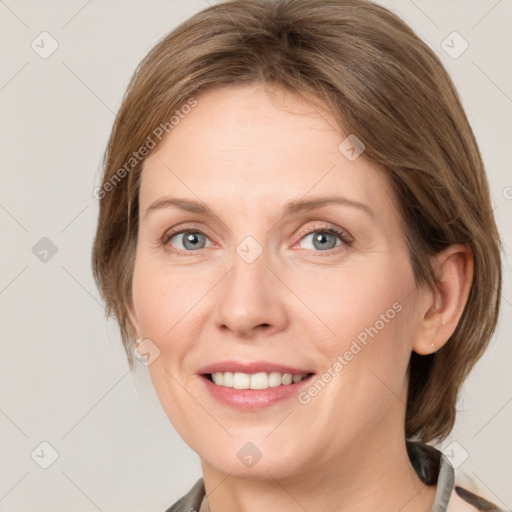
point(296, 237)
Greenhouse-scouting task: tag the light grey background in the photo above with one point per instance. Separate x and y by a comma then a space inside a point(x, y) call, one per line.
point(64, 378)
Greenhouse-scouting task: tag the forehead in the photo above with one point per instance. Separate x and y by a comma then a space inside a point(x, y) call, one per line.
point(251, 143)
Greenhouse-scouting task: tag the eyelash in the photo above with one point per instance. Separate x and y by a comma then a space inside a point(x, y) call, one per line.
point(346, 239)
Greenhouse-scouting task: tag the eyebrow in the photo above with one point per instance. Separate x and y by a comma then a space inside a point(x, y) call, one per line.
point(291, 208)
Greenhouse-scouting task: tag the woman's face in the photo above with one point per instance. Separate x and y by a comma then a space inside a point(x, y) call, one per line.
point(265, 248)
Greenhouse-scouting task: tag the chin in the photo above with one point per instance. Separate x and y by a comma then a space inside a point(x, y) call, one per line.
point(257, 460)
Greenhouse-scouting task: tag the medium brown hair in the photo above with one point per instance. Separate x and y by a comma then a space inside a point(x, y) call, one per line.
point(380, 82)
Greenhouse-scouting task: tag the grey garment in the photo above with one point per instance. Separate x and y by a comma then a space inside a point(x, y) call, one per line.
point(431, 466)
point(191, 502)
point(445, 483)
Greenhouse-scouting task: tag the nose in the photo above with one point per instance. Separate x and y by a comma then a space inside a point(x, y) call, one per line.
point(251, 300)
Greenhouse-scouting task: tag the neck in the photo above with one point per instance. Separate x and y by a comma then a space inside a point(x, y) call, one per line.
point(375, 476)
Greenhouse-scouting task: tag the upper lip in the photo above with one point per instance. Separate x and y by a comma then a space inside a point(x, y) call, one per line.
point(250, 367)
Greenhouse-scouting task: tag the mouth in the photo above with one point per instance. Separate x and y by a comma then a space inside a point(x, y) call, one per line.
point(253, 385)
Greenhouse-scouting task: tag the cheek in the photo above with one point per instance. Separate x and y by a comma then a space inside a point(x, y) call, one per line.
point(369, 310)
point(149, 302)
point(360, 300)
point(161, 298)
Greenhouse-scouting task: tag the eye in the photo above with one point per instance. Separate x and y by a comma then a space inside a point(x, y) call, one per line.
point(321, 240)
point(186, 240)
point(325, 239)
point(318, 239)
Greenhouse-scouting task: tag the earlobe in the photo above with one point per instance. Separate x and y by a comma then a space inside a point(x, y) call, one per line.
point(442, 307)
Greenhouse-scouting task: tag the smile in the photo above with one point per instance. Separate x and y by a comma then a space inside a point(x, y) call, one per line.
point(260, 380)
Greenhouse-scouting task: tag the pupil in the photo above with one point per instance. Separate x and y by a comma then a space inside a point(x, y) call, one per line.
point(322, 238)
point(192, 240)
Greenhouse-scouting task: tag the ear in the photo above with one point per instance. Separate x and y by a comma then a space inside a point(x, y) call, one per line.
point(440, 309)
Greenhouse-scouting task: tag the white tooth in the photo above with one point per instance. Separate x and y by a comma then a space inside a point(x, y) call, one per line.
point(259, 381)
point(274, 379)
point(227, 380)
point(241, 380)
point(287, 378)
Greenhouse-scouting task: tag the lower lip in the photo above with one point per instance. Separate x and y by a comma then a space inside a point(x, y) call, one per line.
point(254, 398)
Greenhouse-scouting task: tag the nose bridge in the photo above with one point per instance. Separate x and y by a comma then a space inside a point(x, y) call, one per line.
point(250, 296)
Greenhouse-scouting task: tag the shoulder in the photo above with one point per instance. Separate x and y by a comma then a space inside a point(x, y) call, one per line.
point(468, 496)
point(456, 491)
point(190, 502)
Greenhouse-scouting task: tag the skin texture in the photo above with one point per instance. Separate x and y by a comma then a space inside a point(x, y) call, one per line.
point(246, 151)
